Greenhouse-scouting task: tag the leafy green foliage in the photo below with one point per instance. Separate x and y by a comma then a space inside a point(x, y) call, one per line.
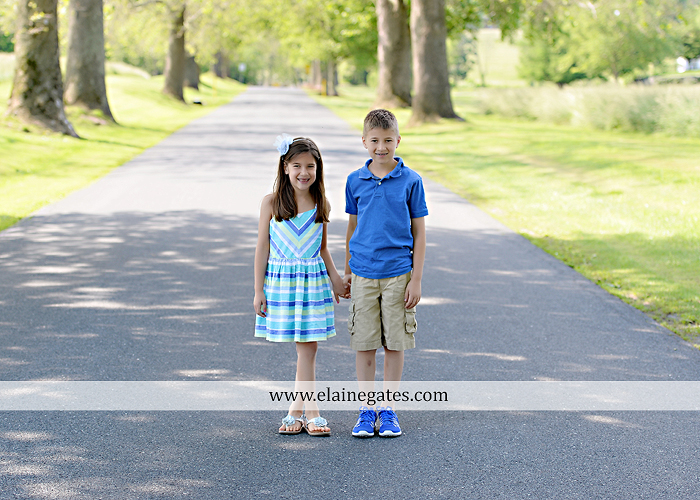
point(544, 62)
point(6, 43)
point(7, 17)
point(690, 37)
point(461, 53)
point(136, 35)
point(619, 36)
point(265, 41)
point(566, 40)
point(462, 15)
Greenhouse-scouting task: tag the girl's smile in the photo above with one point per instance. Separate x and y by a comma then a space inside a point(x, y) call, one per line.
point(301, 170)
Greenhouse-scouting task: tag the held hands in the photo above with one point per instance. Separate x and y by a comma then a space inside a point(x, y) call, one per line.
point(340, 289)
point(260, 304)
point(347, 281)
point(412, 296)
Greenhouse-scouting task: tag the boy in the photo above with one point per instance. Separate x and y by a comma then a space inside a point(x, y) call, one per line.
point(385, 251)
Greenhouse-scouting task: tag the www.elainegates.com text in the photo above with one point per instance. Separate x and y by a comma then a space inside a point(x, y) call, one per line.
point(369, 397)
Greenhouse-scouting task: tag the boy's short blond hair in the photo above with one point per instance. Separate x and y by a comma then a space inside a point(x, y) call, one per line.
point(380, 118)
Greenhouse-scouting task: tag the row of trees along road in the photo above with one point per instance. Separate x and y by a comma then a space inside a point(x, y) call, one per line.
point(37, 89)
point(415, 33)
point(329, 30)
point(408, 40)
point(38, 92)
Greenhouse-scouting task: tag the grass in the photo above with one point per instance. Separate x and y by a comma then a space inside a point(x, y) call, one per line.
point(621, 208)
point(7, 65)
point(40, 168)
point(498, 60)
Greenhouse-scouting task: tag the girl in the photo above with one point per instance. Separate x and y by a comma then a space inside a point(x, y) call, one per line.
point(295, 278)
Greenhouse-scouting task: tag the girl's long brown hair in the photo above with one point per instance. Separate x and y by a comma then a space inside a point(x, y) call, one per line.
point(284, 204)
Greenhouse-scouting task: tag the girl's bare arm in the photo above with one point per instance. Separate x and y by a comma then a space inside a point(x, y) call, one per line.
point(262, 252)
point(336, 279)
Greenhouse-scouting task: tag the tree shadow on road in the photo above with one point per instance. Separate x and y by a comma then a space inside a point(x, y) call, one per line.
point(138, 296)
point(134, 297)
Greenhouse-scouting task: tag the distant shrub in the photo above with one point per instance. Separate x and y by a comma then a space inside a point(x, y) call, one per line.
point(671, 109)
point(6, 42)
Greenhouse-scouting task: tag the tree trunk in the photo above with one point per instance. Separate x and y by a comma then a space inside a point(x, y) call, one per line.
point(37, 88)
point(85, 66)
point(331, 78)
point(394, 54)
point(191, 73)
point(175, 62)
point(221, 68)
point(430, 73)
point(316, 75)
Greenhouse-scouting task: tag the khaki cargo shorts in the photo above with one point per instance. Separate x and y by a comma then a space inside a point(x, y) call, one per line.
point(378, 316)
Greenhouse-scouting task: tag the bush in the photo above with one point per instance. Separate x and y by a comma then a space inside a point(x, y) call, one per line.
point(6, 43)
point(674, 110)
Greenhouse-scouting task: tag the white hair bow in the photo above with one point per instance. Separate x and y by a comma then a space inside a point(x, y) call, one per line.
point(282, 143)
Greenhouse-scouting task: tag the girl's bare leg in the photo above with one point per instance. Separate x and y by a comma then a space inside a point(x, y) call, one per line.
point(305, 382)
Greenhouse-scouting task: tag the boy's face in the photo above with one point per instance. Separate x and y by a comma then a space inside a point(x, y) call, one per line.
point(381, 145)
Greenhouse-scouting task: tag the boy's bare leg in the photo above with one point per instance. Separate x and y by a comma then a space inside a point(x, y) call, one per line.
point(393, 369)
point(366, 365)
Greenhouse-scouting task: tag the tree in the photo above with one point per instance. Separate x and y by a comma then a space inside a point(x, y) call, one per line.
point(541, 61)
point(37, 88)
point(332, 31)
point(191, 73)
point(617, 37)
point(176, 58)
point(430, 71)
point(85, 63)
point(394, 54)
point(137, 34)
point(690, 36)
point(6, 44)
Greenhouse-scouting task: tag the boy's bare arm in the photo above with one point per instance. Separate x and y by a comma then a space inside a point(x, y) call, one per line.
point(352, 225)
point(413, 289)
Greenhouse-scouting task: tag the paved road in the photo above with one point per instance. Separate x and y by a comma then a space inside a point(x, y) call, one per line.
point(146, 275)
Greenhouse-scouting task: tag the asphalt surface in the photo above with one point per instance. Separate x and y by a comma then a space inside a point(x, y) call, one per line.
point(147, 275)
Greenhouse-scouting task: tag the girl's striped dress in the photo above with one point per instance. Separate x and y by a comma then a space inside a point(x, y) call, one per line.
point(297, 286)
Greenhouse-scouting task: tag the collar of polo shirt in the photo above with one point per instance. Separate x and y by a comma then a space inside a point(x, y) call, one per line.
point(365, 172)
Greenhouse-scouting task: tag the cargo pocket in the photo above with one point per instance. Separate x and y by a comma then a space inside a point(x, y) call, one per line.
point(351, 319)
point(411, 323)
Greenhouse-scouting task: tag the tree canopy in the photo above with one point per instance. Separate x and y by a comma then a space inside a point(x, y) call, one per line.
point(565, 40)
point(293, 41)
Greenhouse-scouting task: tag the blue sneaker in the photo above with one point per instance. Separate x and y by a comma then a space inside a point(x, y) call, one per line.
point(388, 423)
point(365, 423)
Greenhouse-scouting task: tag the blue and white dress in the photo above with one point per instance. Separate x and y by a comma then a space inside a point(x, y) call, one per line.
point(297, 287)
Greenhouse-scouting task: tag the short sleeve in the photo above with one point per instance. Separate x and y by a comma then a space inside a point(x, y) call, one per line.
point(416, 201)
point(350, 200)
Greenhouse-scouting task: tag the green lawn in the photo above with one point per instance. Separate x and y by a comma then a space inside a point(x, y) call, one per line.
point(498, 60)
point(621, 208)
point(39, 168)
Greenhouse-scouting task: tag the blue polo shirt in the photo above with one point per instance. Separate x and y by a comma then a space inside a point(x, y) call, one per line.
point(382, 244)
